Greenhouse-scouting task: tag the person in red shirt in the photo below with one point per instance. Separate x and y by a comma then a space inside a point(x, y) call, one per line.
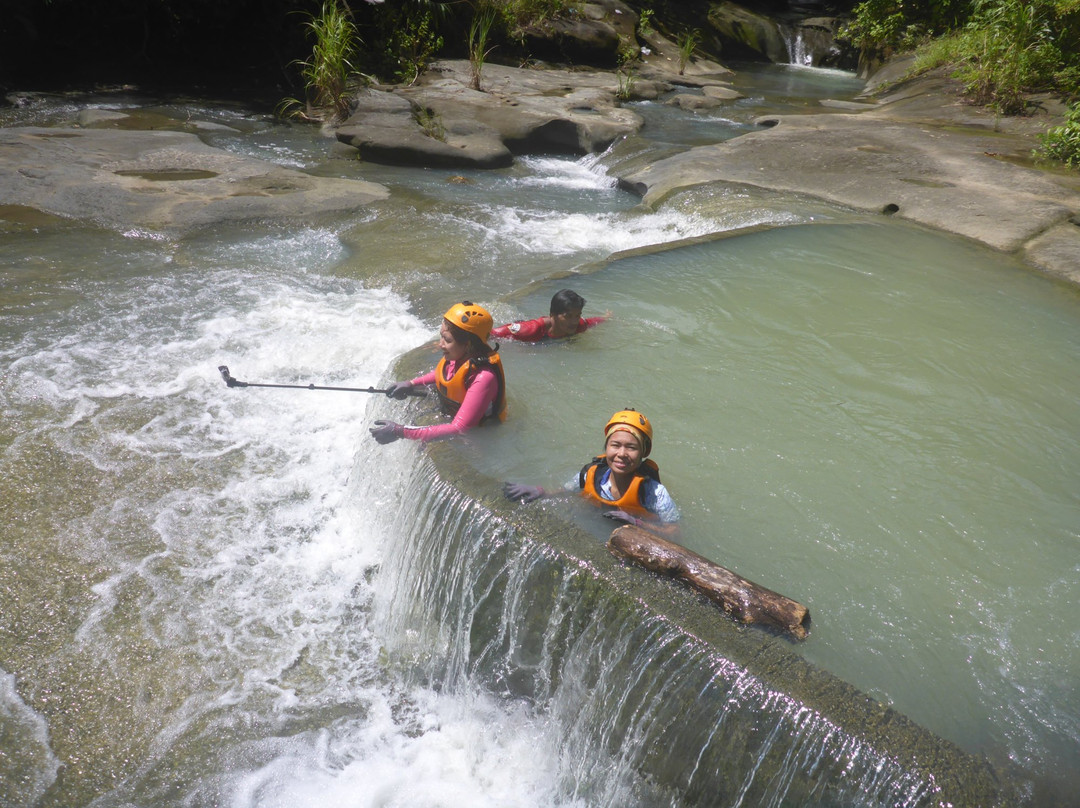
point(564, 320)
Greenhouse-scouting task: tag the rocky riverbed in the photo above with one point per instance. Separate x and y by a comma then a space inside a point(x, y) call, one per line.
point(916, 151)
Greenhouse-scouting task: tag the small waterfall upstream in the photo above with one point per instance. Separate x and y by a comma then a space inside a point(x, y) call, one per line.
point(811, 42)
point(654, 697)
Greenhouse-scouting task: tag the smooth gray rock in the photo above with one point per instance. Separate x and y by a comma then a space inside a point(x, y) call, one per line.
point(694, 103)
point(590, 34)
point(922, 155)
point(745, 32)
point(442, 122)
point(660, 59)
point(158, 180)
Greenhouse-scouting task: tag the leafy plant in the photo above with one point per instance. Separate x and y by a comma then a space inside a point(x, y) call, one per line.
point(328, 70)
point(430, 123)
point(644, 24)
point(625, 77)
point(413, 40)
point(687, 41)
point(1002, 50)
point(1062, 143)
point(1007, 50)
point(479, 30)
point(517, 14)
point(890, 25)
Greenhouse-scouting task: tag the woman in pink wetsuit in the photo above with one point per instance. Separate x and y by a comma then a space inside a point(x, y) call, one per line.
point(469, 379)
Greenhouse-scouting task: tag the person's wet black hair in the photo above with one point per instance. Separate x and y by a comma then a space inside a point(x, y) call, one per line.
point(566, 300)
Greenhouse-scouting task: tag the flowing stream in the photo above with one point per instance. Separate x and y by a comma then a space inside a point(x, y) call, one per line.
point(233, 597)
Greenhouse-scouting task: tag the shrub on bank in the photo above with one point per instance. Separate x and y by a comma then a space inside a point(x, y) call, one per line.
point(1062, 143)
point(1002, 50)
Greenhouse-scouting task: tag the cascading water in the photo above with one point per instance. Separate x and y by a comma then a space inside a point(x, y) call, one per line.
point(646, 711)
point(217, 596)
point(811, 42)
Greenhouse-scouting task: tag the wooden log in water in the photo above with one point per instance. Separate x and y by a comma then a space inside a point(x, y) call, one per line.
point(742, 599)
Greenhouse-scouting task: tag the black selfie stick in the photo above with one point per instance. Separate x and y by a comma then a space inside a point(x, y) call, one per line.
point(231, 382)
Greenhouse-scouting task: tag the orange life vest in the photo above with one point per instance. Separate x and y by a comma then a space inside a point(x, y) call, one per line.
point(630, 501)
point(451, 391)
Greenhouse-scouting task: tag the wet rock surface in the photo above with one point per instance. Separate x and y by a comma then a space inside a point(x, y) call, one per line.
point(918, 152)
point(158, 180)
point(444, 122)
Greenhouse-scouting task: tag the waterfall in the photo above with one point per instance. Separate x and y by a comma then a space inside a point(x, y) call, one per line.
point(798, 54)
point(657, 698)
point(811, 42)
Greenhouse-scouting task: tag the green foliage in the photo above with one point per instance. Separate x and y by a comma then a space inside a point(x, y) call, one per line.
point(899, 25)
point(328, 70)
point(1062, 143)
point(688, 40)
point(479, 30)
point(644, 24)
point(403, 36)
point(1006, 50)
point(411, 40)
point(516, 14)
point(626, 79)
point(430, 123)
point(1002, 49)
point(628, 52)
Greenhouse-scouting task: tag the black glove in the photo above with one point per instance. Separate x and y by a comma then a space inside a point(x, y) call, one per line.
point(387, 431)
point(623, 516)
point(398, 390)
point(526, 493)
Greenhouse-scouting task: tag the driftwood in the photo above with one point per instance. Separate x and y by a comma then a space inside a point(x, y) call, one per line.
point(742, 599)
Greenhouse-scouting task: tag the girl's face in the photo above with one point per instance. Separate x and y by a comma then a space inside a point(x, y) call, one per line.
point(566, 323)
point(623, 452)
point(452, 350)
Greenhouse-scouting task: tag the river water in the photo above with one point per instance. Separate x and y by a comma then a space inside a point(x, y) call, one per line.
point(234, 597)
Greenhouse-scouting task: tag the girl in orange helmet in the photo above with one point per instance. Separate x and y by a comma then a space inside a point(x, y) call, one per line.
point(622, 479)
point(469, 379)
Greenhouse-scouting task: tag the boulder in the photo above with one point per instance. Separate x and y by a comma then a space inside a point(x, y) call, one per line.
point(391, 129)
point(158, 180)
point(745, 34)
point(591, 34)
point(694, 103)
point(721, 92)
point(922, 154)
point(442, 122)
point(1057, 250)
point(660, 60)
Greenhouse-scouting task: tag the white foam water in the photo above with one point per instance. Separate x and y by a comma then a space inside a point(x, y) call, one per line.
point(253, 521)
point(546, 232)
point(585, 173)
point(29, 766)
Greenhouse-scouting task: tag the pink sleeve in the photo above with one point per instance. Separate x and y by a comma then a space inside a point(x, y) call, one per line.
point(478, 397)
point(427, 378)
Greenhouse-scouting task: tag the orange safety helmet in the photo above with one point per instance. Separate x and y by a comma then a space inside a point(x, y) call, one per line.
point(472, 318)
point(639, 424)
